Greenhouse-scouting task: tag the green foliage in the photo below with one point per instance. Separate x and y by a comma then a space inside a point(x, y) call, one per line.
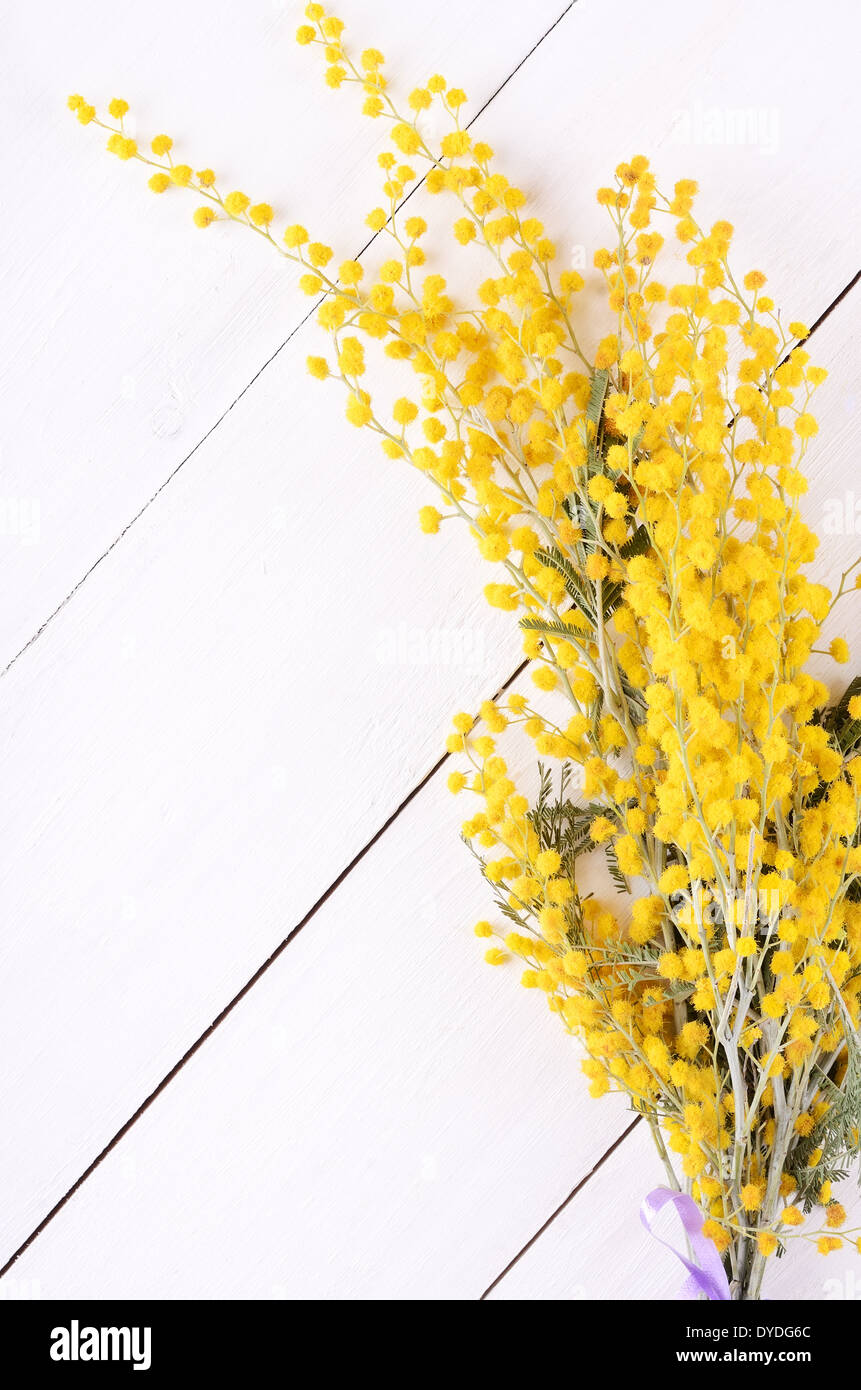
point(564, 826)
point(558, 822)
point(844, 730)
point(845, 734)
point(837, 1133)
point(595, 408)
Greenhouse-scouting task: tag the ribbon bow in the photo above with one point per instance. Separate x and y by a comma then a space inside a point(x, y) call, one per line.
point(705, 1272)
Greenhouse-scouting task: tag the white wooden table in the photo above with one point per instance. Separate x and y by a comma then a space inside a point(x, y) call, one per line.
point(249, 1045)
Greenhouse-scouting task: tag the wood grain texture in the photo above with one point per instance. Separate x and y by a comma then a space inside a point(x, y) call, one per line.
point(140, 334)
point(278, 597)
point(597, 1248)
point(238, 697)
point(132, 332)
point(382, 1116)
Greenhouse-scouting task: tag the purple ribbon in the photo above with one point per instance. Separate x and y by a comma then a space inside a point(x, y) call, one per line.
point(707, 1275)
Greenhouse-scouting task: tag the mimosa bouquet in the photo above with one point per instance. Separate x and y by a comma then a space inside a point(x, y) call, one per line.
point(639, 502)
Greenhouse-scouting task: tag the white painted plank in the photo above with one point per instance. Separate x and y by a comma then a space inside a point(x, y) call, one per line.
point(691, 91)
point(166, 826)
point(597, 1247)
point(129, 333)
point(382, 1116)
point(193, 754)
point(379, 1117)
point(198, 696)
point(139, 333)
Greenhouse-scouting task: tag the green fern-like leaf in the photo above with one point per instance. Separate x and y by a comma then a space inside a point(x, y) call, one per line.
point(594, 409)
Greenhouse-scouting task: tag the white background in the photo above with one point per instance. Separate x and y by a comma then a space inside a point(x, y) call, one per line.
point(203, 568)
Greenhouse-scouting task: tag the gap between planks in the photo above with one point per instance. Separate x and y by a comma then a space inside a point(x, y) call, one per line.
point(290, 336)
point(294, 932)
point(561, 1207)
point(411, 795)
